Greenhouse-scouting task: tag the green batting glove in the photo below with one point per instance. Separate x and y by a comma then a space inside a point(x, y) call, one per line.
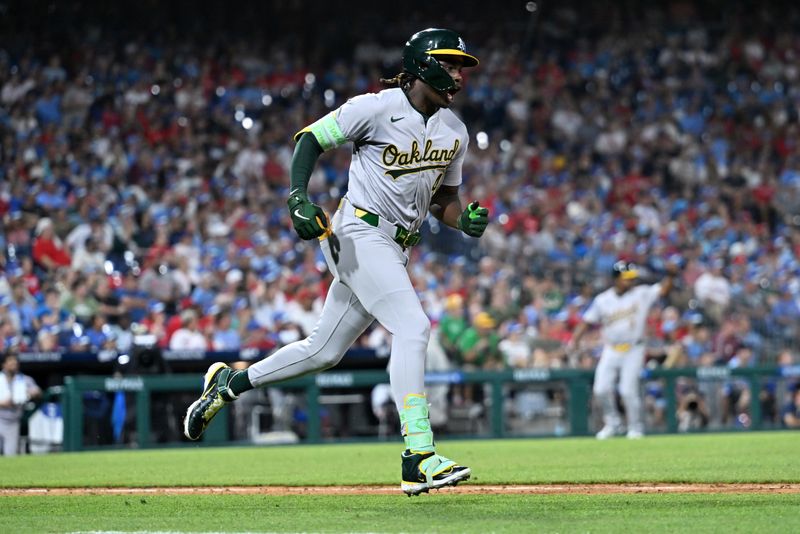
point(473, 220)
point(309, 220)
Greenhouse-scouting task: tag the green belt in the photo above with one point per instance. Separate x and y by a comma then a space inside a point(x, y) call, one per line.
point(402, 237)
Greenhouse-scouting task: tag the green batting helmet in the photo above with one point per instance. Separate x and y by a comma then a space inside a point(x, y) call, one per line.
point(419, 56)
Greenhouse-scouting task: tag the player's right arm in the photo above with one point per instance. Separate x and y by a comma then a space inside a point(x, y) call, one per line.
point(351, 122)
point(577, 335)
point(309, 220)
point(591, 316)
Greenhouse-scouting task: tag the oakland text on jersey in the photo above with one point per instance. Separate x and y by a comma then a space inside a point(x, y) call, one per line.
point(393, 156)
point(620, 314)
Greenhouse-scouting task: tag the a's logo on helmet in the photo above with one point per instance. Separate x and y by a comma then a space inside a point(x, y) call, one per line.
point(461, 45)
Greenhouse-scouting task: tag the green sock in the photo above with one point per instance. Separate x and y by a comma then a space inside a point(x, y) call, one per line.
point(239, 383)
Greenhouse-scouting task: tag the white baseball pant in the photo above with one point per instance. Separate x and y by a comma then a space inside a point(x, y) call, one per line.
point(9, 435)
point(624, 361)
point(370, 282)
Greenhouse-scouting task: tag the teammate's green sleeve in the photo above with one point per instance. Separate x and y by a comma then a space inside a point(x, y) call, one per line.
point(305, 157)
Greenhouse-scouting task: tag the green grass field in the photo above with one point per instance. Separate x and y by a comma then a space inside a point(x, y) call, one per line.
point(724, 458)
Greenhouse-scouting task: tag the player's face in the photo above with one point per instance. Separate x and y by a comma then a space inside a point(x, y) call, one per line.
point(624, 285)
point(453, 65)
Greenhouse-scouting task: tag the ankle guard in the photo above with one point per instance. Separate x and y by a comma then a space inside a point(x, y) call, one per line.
point(415, 426)
point(223, 381)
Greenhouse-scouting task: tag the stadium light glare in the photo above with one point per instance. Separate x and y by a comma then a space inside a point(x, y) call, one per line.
point(483, 140)
point(330, 97)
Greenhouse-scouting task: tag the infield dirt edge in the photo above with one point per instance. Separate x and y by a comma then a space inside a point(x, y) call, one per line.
point(466, 489)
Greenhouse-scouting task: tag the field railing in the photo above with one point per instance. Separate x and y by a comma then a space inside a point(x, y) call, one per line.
point(576, 382)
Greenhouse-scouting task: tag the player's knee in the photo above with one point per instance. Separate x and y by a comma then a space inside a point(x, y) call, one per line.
point(324, 355)
point(417, 328)
point(629, 392)
point(600, 390)
point(327, 359)
point(329, 355)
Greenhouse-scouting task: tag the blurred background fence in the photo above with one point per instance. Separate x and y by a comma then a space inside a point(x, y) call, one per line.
point(145, 410)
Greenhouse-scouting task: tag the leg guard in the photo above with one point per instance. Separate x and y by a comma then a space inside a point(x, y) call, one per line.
point(415, 426)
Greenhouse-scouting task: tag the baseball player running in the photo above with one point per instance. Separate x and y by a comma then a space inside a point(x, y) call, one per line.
point(408, 149)
point(622, 312)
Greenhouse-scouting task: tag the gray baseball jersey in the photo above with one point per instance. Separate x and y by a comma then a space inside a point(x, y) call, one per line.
point(623, 317)
point(399, 158)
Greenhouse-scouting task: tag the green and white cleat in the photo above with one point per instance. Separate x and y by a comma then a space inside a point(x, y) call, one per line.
point(423, 472)
point(215, 395)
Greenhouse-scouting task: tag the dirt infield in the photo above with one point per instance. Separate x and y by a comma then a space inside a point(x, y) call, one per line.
point(466, 489)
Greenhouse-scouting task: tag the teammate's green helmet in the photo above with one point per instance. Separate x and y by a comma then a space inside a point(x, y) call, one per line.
point(419, 56)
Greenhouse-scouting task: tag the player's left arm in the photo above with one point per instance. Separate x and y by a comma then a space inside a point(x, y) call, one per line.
point(446, 206)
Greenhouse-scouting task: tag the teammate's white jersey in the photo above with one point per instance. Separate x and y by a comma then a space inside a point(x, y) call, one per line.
point(623, 317)
point(399, 160)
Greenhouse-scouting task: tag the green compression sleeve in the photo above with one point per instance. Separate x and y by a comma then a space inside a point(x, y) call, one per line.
point(305, 157)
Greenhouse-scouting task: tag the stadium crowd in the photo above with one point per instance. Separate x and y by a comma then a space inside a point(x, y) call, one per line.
point(143, 186)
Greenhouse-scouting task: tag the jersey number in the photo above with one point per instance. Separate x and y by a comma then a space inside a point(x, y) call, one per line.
point(438, 182)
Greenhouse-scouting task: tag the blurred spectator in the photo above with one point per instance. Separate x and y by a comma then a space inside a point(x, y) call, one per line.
point(133, 299)
point(96, 333)
point(47, 339)
point(727, 342)
point(515, 348)
point(451, 326)
point(784, 315)
point(10, 338)
point(304, 310)
point(479, 344)
point(692, 412)
point(155, 323)
point(48, 250)
point(79, 301)
point(697, 342)
point(736, 393)
point(22, 308)
point(88, 258)
point(16, 389)
point(109, 304)
point(95, 230)
point(713, 291)
point(790, 415)
point(224, 336)
point(30, 278)
point(188, 336)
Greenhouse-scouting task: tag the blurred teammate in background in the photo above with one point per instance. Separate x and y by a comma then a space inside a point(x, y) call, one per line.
point(15, 390)
point(621, 311)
